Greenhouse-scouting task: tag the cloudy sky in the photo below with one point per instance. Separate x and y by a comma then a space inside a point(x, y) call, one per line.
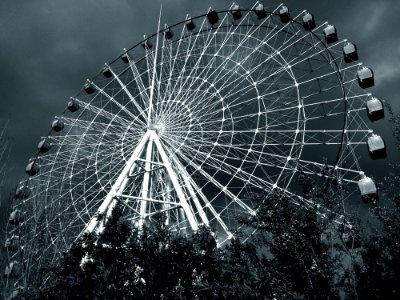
point(49, 47)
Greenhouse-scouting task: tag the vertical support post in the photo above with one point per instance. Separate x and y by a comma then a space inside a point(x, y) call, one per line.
point(167, 205)
point(146, 182)
point(192, 193)
point(178, 189)
point(182, 221)
point(119, 184)
point(154, 73)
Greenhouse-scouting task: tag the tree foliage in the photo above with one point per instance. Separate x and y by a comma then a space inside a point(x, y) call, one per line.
point(380, 276)
point(285, 259)
point(298, 251)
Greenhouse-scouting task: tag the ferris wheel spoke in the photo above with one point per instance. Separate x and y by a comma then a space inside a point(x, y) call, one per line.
point(199, 92)
point(81, 172)
point(184, 47)
point(163, 65)
point(242, 42)
point(175, 182)
point(307, 55)
point(78, 137)
point(284, 68)
point(120, 106)
point(235, 94)
point(94, 126)
point(125, 89)
point(82, 143)
point(151, 65)
point(190, 46)
point(189, 186)
point(274, 161)
point(101, 112)
point(223, 189)
point(154, 78)
point(309, 167)
point(144, 96)
point(292, 64)
point(210, 207)
point(172, 59)
point(251, 180)
point(238, 168)
point(309, 81)
point(241, 62)
point(274, 186)
point(330, 107)
point(86, 145)
point(322, 76)
point(236, 73)
point(189, 79)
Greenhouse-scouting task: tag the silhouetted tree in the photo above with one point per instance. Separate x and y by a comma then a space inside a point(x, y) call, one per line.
point(297, 252)
point(379, 276)
point(291, 236)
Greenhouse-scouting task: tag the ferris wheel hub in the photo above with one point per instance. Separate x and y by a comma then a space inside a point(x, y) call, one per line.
point(157, 127)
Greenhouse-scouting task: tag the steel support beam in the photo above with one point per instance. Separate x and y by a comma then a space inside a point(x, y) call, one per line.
point(175, 182)
point(146, 184)
point(118, 186)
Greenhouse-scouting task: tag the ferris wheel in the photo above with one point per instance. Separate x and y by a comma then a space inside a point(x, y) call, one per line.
point(192, 121)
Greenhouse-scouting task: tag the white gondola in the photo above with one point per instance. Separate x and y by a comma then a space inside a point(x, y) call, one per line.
point(14, 269)
point(147, 45)
point(15, 217)
point(44, 146)
point(350, 241)
point(330, 34)
point(12, 243)
point(365, 77)
point(235, 12)
point(168, 34)
point(88, 87)
point(308, 21)
point(16, 293)
point(350, 53)
point(57, 125)
point(190, 25)
point(22, 192)
point(376, 146)
point(212, 17)
point(32, 168)
point(375, 109)
point(125, 57)
point(368, 189)
point(284, 14)
point(260, 12)
point(106, 71)
point(345, 237)
point(73, 105)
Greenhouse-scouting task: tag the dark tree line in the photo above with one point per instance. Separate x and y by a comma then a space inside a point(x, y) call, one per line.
point(297, 252)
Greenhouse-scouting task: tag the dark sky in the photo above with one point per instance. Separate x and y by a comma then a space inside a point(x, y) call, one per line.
point(49, 47)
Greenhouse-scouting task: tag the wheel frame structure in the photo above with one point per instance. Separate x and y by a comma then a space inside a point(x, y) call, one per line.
point(156, 175)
